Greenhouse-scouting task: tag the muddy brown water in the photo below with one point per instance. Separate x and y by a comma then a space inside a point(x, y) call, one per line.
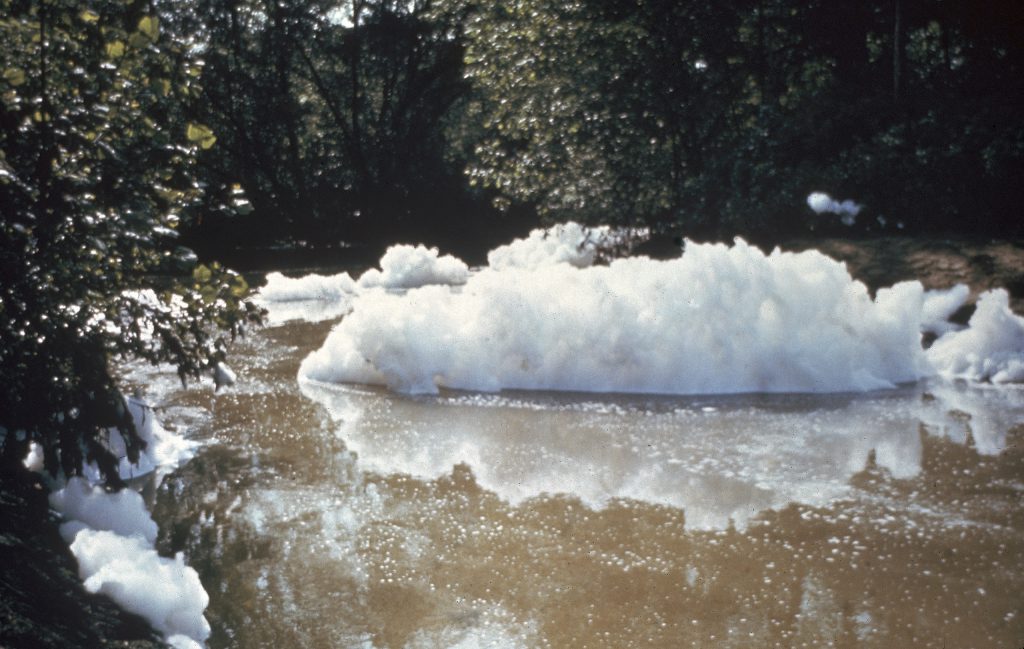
point(346, 516)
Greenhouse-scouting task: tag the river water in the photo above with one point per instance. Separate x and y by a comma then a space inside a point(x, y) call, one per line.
point(349, 516)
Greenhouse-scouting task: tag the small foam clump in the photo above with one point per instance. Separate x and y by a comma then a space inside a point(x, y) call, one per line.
point(566, 243)
point(280, 288)
point(163, 448)
point(719, 319)
point(166, 592)
point(405, 266)
point(940, 305)
point(990, 349)
point(314, 297)
point(123, 512)
point(822, 203)
point(111, 536)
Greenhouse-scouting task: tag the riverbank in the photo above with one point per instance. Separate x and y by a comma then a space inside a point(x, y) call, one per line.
point(43, 603)
point(937, 262)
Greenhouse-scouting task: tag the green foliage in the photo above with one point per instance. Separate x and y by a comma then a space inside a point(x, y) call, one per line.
point(724, 116)
point(332, 114)
point(95, 173)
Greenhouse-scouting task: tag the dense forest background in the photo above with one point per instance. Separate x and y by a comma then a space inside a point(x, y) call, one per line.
point(133, 132)
point(449, 121)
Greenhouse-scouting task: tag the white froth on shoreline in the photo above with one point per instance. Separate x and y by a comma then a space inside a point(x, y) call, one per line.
point(166, 592)
point(123, 513)
point(112, 536)
point(164, 449)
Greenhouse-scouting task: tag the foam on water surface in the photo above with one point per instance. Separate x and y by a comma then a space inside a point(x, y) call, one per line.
point(719, 319)
point(112, 536)
point(990, 349)
point(405, 266)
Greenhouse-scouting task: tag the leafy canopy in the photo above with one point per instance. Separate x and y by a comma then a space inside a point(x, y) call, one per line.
point(96, 169)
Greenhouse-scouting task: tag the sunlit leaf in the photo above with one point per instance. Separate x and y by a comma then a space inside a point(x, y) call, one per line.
point(209, 294)
point(14, 76)
point(89, 16)
point(150, 27)
point(240, 287)
point(242, 206)
point(138, 40)
point(200, 134)
point(115, 49)
point(202, 274)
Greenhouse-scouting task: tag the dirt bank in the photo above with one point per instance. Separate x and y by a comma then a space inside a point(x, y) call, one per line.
point(936, 262)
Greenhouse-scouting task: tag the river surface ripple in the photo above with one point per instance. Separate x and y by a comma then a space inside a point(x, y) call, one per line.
point(347, 516)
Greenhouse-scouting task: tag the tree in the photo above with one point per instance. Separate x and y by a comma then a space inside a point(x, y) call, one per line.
point(720, 119)
point(97, 165)
point(333, 115)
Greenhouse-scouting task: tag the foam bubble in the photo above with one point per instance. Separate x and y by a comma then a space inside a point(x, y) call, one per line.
point(822, 203)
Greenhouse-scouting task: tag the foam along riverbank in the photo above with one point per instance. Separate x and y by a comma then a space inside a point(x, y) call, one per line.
point(111, 536)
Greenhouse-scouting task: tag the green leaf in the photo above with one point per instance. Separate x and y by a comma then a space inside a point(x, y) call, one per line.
point(115, 49)
point(89, 16)
point(202, 274)
point(138, 40)
point(209, 294)
point(200, 134)
point(240, 287)
point(14, 76)
point(150, 27)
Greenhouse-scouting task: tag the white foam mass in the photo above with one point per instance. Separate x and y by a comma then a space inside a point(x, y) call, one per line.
point(822, 203)
point(280, 288)
point(405, 266)
point(719, 319)
point(163, 448)
point(990, 349)
point(111, 536)
point(939, 305)
point(34, 461)
point(314, 297)
point(123, 513)
point(565, 243)
point(166, 592)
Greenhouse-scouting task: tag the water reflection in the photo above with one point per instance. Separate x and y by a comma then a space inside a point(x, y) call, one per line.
point(718, 459)
point(345, 516)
